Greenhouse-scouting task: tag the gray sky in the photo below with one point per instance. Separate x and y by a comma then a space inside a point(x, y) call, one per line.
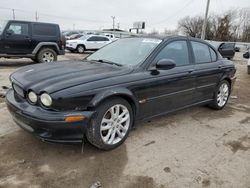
point(96, 14)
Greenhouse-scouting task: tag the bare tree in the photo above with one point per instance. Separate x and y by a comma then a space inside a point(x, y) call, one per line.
point(191, 26)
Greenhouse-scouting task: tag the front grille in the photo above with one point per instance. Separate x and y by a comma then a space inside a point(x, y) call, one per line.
point(18, 90)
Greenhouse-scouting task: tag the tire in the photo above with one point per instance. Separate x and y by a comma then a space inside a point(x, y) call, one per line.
point(248, 69)
point(80, 49)
point(46, 55)
point(219, 102)
point(104, 126)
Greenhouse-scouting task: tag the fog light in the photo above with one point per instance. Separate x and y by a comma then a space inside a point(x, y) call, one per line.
point(32, 97)
point(46, 99)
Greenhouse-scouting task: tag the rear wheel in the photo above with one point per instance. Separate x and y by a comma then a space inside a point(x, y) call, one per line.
point(221, 95)
point(46, 55)
point(111, 124)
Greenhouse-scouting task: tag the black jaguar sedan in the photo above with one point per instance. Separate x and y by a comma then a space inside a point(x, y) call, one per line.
point(132, 79)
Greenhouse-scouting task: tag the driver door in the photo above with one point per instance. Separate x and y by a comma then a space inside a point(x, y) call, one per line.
point(17, 39)
point(168, 90)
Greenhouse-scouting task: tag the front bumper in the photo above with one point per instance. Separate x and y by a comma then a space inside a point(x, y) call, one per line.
point(70, 47)
point(47, 125)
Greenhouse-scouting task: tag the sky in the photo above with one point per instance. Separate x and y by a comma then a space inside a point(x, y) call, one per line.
point(96, 14)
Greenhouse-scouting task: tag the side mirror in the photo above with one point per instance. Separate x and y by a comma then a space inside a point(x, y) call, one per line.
point(165, 64)
point(246, 55)
point(9, 32)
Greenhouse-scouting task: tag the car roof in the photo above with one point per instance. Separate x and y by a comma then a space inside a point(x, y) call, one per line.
point(25, 21)
point(165, 38)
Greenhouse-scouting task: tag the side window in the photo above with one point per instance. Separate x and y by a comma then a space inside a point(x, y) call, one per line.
point(201, 52)
point(92, 39)
point(213, 55)
point(228, 45)
point(177, 51)
point(103, 39)
point(19, 28)
point(44, 30)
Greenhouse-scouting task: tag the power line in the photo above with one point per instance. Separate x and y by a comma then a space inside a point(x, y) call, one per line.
point(175, 14)
point(55, 16)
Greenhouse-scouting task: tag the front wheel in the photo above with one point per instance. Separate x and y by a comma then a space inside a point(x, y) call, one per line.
point(221, 95)
point(111, 124)
point(80, 49)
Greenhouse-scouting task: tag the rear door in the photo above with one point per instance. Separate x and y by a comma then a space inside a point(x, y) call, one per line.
point(208, 71)
point(17, 38)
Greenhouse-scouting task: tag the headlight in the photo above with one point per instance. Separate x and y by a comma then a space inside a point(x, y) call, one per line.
point(32, 97)
point(46, 99)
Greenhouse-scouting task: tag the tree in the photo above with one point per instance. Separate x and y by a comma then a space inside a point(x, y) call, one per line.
point(191, 26)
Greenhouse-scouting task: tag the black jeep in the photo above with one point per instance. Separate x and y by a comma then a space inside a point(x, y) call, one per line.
point(41, 42)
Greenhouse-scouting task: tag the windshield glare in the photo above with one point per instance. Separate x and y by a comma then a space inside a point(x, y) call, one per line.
point(129, 51)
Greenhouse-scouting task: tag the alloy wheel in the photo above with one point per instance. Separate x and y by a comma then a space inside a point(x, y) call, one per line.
point(115, 124)
point(222, 95)
point(80, 49)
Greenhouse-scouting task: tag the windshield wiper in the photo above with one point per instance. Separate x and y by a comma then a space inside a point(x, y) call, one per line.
point(108, 62)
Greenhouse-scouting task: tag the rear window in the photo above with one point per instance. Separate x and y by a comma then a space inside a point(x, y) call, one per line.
point(44, 30)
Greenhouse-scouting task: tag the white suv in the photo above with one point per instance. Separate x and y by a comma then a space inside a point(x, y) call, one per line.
point(89, 42)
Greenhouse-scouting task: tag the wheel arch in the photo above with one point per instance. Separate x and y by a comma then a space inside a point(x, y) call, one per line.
point(227, 78)
point(81, 45)
point(116, 92)
point(43, 45)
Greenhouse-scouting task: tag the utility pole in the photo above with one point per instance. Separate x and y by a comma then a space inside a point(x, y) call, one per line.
point(113, 19)
point(36, 17)
point(204, 27)
point(118, 25)
point(13, 13)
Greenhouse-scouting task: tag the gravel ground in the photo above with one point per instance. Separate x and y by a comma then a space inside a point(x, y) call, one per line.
point(197, 147)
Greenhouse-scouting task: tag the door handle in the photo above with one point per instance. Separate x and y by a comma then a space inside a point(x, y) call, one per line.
point(190, 71)
point(220, 66)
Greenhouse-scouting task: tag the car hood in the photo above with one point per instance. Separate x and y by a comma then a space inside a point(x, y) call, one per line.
point(52, 77)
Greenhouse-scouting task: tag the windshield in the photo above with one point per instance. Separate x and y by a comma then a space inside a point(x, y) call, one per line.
point(82, 37)
point(129, 51)
point(2, 26)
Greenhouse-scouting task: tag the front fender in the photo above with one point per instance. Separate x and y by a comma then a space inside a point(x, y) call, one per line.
point(121, 92)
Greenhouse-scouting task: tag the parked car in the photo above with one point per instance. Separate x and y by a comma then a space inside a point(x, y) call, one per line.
point(127, 81)
point(247, 56)
point(74, 36)
point(89, 42)
point(226, 49)
point(67, 34)
point(41, 42)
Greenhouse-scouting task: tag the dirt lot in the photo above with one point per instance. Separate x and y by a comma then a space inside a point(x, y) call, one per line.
point(197, 147)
